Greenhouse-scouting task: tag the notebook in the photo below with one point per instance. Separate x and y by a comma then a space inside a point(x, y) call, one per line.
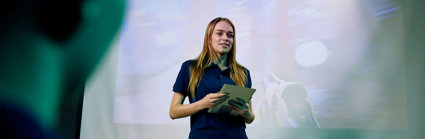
point(224, 108)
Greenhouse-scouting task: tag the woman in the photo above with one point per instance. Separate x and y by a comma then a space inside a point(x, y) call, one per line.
point(201, 79)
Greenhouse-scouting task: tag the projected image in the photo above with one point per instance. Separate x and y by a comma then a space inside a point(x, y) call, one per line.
point(314, 64)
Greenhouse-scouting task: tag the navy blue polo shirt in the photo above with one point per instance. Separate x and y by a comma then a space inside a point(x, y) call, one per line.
point(203, 124)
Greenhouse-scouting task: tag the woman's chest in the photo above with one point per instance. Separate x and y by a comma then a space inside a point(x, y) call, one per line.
point(211, 82)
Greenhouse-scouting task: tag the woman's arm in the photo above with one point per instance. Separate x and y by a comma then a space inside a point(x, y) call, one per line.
point(180, 110)
point(249, 116)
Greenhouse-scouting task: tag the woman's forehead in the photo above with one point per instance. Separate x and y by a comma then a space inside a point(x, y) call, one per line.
point(223, 26)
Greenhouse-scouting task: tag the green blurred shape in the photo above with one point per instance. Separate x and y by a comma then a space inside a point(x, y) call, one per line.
point(48, 48)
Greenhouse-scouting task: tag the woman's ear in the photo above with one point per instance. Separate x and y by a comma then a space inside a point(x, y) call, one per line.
point(58, 19)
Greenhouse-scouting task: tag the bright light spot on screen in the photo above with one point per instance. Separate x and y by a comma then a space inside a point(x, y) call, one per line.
point(311, 53)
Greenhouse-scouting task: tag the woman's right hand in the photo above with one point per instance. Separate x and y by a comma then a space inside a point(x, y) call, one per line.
point(212, 99)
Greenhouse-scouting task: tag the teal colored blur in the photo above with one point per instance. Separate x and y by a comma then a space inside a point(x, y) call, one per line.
point(414, 29)
point(48, 49)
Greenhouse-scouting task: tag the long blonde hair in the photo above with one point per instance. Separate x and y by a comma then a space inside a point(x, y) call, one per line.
point(208, 56)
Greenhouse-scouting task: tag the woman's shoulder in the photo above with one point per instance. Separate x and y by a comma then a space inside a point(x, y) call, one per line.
point(246, 70)
point(188, 63)
point(243, 68)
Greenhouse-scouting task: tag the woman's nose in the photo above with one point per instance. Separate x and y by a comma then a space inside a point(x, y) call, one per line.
point(225, 38)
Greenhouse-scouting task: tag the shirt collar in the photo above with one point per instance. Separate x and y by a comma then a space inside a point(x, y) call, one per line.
point(215, 65)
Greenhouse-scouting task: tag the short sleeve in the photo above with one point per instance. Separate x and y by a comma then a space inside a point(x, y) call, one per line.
point(182, 80)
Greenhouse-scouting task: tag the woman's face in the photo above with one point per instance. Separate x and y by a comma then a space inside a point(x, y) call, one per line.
point(222, 38)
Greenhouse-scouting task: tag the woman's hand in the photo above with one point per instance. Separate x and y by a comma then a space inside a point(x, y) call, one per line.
point(243, 108)
point(240, 106)
point(212, 99)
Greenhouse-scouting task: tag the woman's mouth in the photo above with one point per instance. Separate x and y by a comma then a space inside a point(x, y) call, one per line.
point(224, 44)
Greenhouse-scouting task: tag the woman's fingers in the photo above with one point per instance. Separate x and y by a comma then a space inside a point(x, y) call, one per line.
point(222, 95)
point(241, 101)
point(238, 105)
point(220, 99)
point(213, 99)
point(238, 109)
point(215, 95)
point(218, 96)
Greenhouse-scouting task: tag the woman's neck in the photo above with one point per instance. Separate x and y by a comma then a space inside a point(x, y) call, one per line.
point(222, 62)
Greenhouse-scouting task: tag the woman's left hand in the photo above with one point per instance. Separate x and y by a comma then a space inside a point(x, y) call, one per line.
point(241, 106)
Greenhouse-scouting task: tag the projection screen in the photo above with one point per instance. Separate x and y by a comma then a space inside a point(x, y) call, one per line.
point(316, 65)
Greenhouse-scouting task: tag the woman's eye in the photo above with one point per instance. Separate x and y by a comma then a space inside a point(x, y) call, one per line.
point(230, 36)
point(220, 34)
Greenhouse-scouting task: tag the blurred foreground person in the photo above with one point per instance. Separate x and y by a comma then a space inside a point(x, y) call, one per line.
point(48, 48)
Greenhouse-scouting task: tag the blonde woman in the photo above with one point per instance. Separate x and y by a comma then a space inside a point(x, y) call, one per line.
point(201, 79)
